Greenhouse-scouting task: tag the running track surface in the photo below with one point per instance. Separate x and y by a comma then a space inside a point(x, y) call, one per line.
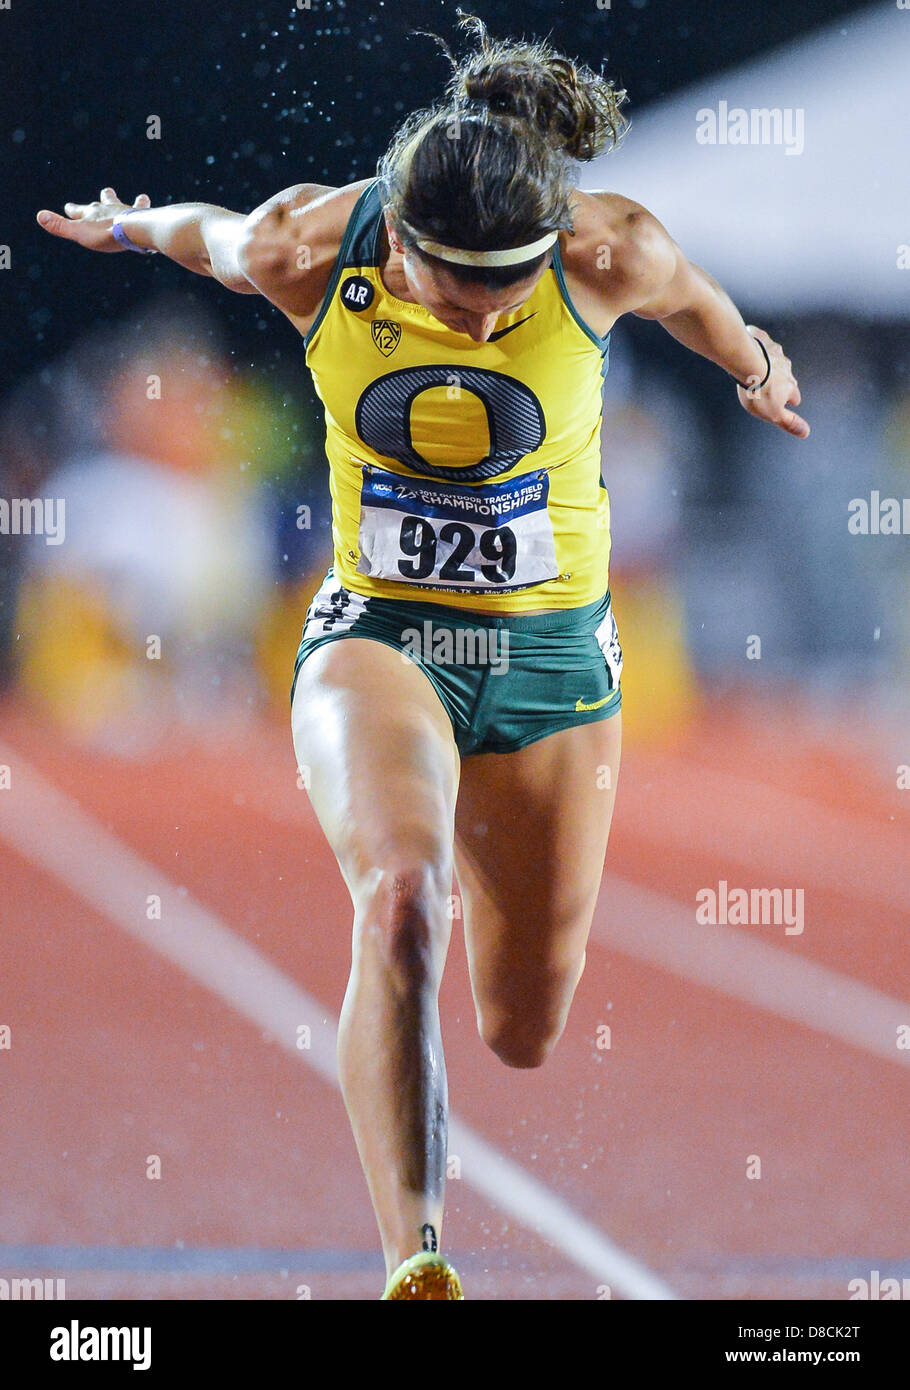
point(718, 1052)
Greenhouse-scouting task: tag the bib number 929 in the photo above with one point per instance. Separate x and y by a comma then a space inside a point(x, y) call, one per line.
point(487, 537)
point(421, 545)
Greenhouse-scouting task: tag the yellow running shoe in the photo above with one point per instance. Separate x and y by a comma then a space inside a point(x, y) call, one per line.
point(427, 1276)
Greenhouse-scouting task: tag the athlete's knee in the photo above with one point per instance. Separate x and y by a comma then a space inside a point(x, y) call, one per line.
point(522, 1037)
point(402, 922)
point(517, 1043)
point(526, 1036)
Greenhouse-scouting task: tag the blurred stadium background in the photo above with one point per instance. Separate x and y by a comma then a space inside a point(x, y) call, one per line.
point(201, 520)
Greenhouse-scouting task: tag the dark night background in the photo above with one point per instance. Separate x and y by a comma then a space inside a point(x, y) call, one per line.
point(254, 98)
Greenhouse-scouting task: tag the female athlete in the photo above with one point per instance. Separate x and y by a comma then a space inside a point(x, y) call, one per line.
point(456, 692)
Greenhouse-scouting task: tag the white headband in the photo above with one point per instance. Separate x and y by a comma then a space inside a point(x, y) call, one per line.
point(512, 256)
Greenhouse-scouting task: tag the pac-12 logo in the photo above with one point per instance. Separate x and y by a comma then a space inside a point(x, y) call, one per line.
point(386, 335)
point(356, 293)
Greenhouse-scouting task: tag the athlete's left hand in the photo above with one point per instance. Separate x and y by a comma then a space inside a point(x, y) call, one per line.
point(780, 392)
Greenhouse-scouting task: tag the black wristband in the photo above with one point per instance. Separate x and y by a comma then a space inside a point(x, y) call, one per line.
point(757, 385)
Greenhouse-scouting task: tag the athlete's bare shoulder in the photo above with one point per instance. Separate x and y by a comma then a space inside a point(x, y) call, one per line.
point(291, 243)
point(620, 251)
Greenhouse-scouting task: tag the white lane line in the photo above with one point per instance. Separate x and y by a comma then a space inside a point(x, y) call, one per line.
point(53, 831)
point(657, 929)
point(511, 1188)
point(780, 828)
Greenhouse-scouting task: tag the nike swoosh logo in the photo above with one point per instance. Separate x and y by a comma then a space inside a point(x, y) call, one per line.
point(580, 704)
point(501, 333)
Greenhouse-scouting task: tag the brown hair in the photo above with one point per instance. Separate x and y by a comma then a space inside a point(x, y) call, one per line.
point(489, 166)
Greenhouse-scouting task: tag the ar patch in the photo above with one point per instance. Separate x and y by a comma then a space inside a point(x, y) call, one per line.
point(356, 293)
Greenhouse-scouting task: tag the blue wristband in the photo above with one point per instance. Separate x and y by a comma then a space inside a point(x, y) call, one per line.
point(121, 236)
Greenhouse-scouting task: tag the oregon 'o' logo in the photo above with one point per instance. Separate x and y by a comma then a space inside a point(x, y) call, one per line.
point(515, 418)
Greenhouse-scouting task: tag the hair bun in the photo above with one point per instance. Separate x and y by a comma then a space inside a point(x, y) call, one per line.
point(575, 109)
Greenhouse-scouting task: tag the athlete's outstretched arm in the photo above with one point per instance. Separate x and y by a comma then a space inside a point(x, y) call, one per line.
point(658, 282)
point(206, 239)
point(199, 236)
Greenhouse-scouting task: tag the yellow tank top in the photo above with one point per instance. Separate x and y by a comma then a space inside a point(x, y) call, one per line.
point(461, 473)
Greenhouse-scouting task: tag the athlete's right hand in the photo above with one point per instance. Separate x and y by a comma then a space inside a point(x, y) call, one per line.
point(89, 224)
point(773, 402)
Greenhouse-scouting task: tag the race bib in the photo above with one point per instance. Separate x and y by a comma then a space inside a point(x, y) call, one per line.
point(442, 535)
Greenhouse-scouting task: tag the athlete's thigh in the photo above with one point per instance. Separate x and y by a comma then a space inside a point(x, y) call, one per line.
point(531, 831)
point(376, 747)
